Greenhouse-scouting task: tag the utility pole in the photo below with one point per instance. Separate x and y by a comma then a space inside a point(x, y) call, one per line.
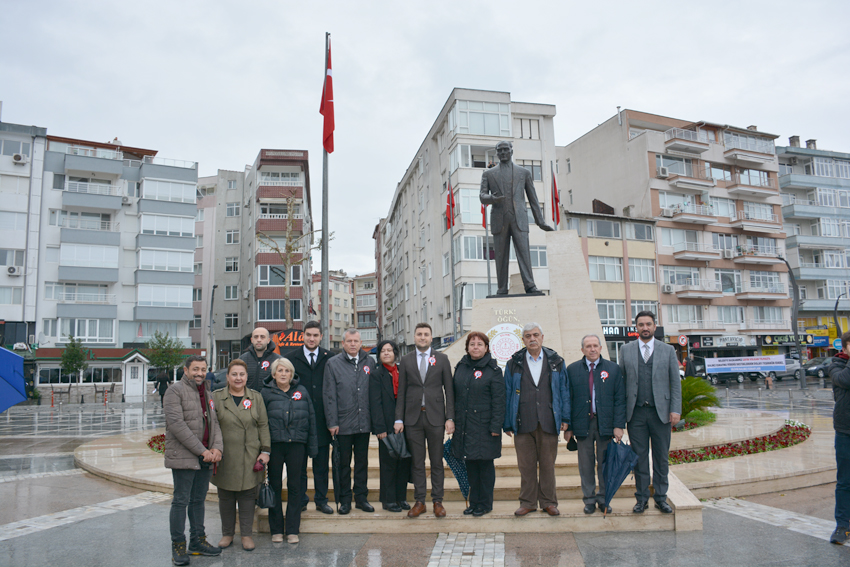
point(213, 354)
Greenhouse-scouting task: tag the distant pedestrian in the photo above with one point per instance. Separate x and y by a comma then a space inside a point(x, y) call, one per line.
point(839, 373)
point(162, 381)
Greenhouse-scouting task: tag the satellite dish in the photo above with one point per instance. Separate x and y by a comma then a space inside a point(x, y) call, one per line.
point(42, 338)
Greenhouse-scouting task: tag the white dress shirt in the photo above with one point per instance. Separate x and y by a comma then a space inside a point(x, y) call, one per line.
point(535, 365)
point(308, 352)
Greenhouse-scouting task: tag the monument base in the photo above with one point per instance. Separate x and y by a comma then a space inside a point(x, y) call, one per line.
point(497, 296)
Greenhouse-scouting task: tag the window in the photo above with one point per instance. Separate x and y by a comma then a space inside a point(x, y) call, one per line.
point(366, 301)
point(476, 117)
point(827, 227)
point(75, 293)
point(11, 295)
point(638, 306)
point(366, 319)
point(86, 221)
point(723, 207)
point(232, 209)
point(679, 275)
point(274, 309)
point(173, 191)
point(758, 211)
point(337, 287)
point(195, 323)
point(604, 268)
point(761, 244)
point(165, 260)
point(280, 177)
point(199, 216)
point(336, 301)
point(49, 327)
point(165, 295)
point(368, 285)
point(167, 225)
point(724, 241)
point(278, 210)
point(767, 281)
point(12, 147)
point(527, 128)
point(675, 165)
point(718, 172)
point(634, 231)
point(746, 142)
point(754, 177)
point(641, 270)
point(538, 257)
point(685, 313)
point(231, 264)
point(611, 311)
point(677, 237)
point(677, 201)
point(231, 237)
point(296, 275)
point(470, 207)
point(475, 291)
point(89, 256)
point(831, 289)
point(422, 276)
point(785, 169)
point(11, 257)
point(13, 221)
point(473, 248)
point(231, 320)
point(196, 294)
point(271, 275)
point(603, 228)
point(198, 268)
point(199, 241)
point(730, 314)
point(231, 292)
point(767, 314)
point(231, 184)
point(447, 267)
point(533, 166)
point(55, 376)
point(793, 229)
point(729, 280)
point(88, 330)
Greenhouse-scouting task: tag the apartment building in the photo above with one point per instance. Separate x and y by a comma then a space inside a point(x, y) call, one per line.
point(340, 307)
point(815, 187)
point(242, 266)
point(713, 191)
point(366, 301)
point(414, 245)
point(620, 256)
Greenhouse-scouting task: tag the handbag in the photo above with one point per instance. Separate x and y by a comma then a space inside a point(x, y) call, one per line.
point(265, 496)
point(396, 445)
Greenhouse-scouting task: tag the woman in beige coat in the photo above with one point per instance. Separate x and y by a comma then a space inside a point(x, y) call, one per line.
point(245, 431)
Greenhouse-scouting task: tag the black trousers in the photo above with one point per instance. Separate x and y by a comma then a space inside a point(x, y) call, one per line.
point(482, 481)
point(395, 473)
point(646, 427)
point(358, 445)
point(320, 477)
point(293, 455)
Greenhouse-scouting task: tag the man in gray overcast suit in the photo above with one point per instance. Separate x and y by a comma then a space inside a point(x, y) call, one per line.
point(653, 405)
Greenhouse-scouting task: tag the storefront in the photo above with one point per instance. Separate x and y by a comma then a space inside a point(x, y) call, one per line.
point(783, 344)
point(719, 346)
point(618, 336)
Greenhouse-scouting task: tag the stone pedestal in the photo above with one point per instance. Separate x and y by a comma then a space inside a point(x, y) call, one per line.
point(565, 315)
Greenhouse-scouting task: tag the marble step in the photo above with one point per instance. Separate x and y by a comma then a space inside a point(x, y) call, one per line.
point(505, 466)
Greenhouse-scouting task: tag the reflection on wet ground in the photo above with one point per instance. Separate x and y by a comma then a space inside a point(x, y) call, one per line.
point(32, 464)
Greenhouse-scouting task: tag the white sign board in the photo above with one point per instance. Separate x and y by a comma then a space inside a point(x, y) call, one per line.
point(774, 363)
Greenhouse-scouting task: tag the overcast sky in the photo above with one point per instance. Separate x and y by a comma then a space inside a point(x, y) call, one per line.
point(214, 81)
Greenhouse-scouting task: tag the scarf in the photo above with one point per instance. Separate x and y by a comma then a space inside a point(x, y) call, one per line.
point(394, 371)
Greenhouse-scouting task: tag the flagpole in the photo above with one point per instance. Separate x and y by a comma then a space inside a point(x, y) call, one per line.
point(452, 261)
point(325, 315)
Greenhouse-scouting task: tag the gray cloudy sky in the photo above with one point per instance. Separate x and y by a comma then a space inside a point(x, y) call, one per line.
point(215, 81)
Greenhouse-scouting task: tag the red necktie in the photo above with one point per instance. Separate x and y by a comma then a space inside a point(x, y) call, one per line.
point(592, 366)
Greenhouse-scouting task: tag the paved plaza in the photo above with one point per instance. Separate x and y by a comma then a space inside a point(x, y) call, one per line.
point(54, 513)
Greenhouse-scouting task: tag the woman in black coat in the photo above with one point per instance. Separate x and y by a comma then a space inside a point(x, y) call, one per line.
point(479, 412)
point(383, 392)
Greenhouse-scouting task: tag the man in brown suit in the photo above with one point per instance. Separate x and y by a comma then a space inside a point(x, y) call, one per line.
point(425, 410)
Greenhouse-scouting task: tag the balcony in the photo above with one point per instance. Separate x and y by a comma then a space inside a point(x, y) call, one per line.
point(694, 181)
point(92, 196)
point(698, 289)
point(90, 224)
point(695, 251)
point(87, 298)
point(793, 208)
point(692, 214)
point(814, 242)
point(762, 291)
point(701, 327)
point(154, 160)
point(685, 141)
point(750, 152)
point(821, 271)
point(296, 216)
point(92, 188)
point(94, 152)
point(756, 255)
point(744, 186)
point(761, 326)
point(265, 182)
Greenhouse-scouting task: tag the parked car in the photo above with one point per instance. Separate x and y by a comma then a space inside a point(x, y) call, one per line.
point(792, 368)
point(738, 377)
point(817, 367)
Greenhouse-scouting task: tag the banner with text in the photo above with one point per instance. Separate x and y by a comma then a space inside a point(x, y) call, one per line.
point(745, 364)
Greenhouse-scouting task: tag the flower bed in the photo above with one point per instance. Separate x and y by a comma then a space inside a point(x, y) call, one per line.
point(792, 433)
point(157, 443)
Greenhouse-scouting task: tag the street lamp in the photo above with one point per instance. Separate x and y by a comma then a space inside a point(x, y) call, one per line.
point(835, 314)
point(795, 311)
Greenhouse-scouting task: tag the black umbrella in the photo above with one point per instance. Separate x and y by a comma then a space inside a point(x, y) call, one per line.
point(619, 462)
point(335, 468)
point(396, 446)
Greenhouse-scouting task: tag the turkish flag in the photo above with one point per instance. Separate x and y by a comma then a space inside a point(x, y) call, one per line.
point(326, 109)
point(450, 207)
point(484, 215)
point(556, 200)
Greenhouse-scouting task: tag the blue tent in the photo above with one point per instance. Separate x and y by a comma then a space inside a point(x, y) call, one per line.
point(11, 379)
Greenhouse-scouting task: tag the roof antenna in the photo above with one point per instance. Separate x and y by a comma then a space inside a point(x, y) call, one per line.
point(619, 118)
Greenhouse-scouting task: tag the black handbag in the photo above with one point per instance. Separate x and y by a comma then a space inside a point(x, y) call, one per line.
point(265, 496)
point(396, 445)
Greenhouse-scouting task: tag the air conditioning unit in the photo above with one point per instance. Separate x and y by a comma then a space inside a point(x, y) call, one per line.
point(728, 254)
point(793, 161)
point(32, 339)
point(125, 200)
point(668, 213)
point(245, 294)
point(15, 270)
point(666, 288)
point(663, 172)
point(19, 159)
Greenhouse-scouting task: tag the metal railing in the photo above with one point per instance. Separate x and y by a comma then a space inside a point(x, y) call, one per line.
point(705, 210)
point(764, 147)
point(698, 285)
point(94, 152)
point(695, 247)
point(767, 324)
point(690, 135)
point(788, 199)
point(756, 216)
point(701, 325)
point(86, 224)
point(92, 188)
point(821, 265)
point(296, 216)
point(88, 298)
point(738, 179)
point(756, 250)
point(154, 160)
point(278, 183)
point(694, 173)
point(749, 287)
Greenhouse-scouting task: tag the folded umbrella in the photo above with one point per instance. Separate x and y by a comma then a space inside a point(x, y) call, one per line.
point(335, 468)
point(458, 468)
point(12, 390)
point(396, 446)
point(619, 462)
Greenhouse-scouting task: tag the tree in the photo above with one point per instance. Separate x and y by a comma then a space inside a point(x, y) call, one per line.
point(165, 351)
point(697, 394)
point(74, 357)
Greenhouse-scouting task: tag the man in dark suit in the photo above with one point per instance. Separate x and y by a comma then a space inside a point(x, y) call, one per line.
point(598, 400)
point(505, 187)
point(653, 405)
point(425, 411)
point(309, 362)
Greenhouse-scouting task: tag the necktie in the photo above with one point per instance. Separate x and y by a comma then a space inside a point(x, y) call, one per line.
point(592, 366)
point(646, 353)
point(423, 366)
point(312, 359)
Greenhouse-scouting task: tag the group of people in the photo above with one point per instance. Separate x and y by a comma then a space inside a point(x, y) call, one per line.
point(277, 411)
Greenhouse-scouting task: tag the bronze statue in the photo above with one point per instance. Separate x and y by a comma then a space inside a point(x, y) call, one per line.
point(502, 187)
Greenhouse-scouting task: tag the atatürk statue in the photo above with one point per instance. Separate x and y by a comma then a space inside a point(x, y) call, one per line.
point(502, 187)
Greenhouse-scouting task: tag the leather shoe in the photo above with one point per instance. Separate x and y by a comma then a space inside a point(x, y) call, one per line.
point(602, 508)
point(324, 508)
point(589, 508)
point(521, 511)
point(248, 543)
point(304, 508)
point(439, 511)
point(365, 506)
point(404, 505)
point(344, 508)
point(417, 509)
point(226, 541)
point(552, 510)
point(480, 512)
point(640, 507)
point(467, 512)
point(664, 507)
point(392, 507)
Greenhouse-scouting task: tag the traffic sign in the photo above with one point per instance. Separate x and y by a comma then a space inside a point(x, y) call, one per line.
point(683, 340)
point(836, 344)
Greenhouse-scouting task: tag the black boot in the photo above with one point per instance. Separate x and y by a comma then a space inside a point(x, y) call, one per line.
point(178, 553)
point(200, 546)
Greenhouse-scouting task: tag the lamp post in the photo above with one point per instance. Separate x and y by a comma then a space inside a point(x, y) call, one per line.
point(795, 310)
point(835, 315)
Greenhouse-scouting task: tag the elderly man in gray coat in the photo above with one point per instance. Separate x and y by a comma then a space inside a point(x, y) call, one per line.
point(346, 384)
point(653, 406)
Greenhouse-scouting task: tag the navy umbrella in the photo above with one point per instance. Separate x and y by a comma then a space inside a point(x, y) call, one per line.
point(12, 389)
point(619, 462)
point(458, 468)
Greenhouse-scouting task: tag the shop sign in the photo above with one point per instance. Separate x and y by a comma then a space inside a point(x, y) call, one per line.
point(626, 333)
point(770, 350)
point(820, 334)
point(787, 340)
